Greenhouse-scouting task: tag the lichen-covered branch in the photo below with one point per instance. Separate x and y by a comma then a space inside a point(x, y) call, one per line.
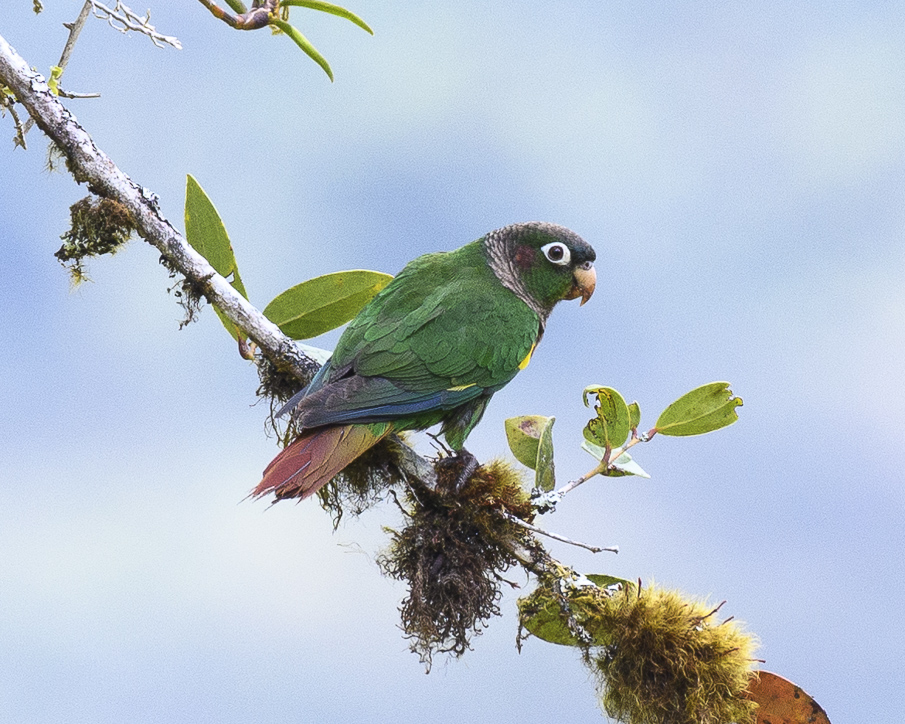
point(89, 164)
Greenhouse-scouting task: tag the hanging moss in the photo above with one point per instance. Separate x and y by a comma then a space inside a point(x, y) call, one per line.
point(276, 387)
point(452, 555)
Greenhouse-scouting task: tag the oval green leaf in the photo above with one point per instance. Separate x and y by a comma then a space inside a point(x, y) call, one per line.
point(704, 409)
point(324, 303)
point(634, 415)
point(601, 580)
point(541, 613)
point(612, 425)
point(542, 616)
point(524, 436)
point(545, 477)
point(205, 231)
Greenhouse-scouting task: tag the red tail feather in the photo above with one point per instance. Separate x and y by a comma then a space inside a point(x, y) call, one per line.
point(310, 462)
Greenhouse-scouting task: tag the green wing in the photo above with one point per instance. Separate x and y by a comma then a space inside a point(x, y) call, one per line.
point(444, 322)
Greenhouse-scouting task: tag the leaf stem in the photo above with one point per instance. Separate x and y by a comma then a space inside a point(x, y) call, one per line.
point(548, 501)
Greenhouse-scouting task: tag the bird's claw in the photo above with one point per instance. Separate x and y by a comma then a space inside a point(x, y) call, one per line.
point(466, 463)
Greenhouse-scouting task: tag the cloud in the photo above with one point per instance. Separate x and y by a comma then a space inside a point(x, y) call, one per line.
point(842, 111)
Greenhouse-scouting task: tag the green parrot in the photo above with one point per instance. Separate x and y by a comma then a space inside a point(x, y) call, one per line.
point(431, 348)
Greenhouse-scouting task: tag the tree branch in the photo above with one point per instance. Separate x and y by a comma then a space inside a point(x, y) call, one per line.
point(88, 164)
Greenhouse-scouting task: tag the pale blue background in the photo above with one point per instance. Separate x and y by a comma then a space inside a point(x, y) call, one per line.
point(740, 168)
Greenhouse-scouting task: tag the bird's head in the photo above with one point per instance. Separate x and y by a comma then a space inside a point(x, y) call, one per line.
point(542, 263)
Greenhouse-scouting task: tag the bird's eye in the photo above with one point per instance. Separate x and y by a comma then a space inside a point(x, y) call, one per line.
point(557, 252)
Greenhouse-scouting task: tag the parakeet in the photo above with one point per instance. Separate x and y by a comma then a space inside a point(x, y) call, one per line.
point(432, 347)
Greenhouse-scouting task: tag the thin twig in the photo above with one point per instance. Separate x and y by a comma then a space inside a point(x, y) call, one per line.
point(68, 94)
point(572, 484)
point(74, 30)
point(124, 19)
point(10, 105)
point(555, 536)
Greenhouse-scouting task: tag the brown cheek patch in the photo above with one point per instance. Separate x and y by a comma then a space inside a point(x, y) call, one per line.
point(524, 257)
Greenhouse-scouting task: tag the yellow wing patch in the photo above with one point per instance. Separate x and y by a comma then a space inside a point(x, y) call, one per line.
point(459, 388)
point(524, 362)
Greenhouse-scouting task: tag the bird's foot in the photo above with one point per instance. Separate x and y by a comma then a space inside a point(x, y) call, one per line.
point(466, 464)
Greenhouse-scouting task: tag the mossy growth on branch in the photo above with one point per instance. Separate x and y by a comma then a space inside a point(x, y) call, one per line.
point(98, 226)
point(453, 553)
point(669, 662)
point(276, 387)
point(189, 295)
point(658, 657)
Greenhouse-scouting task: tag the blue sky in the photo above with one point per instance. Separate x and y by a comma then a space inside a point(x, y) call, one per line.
point(741, 173)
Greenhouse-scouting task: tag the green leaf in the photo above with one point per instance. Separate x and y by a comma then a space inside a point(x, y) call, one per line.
point(530, 438)
point(331, 9)
point(545, 472)
point(205, 231)
point(634, 415)
point(523, 435)
point(542, 614)
point(53, 83)
point(303, 42)
point(704, 409)
point(612, 425)
point(324, 303)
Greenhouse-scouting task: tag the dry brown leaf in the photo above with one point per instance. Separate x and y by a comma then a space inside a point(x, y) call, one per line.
point(782, 702)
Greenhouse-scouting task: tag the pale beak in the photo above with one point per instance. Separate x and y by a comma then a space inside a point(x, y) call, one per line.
point(584, 280)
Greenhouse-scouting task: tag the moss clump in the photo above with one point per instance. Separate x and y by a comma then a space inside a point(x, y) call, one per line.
point(277, 387)
point(667, 663)
point(188, 295)
point(452, 555)
point(98, 226)
point(658, 657)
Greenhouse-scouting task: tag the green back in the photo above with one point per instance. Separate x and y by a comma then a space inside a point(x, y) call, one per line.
point(445, 321)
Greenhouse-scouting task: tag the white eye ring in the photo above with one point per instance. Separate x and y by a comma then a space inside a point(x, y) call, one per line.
point(557, 252)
